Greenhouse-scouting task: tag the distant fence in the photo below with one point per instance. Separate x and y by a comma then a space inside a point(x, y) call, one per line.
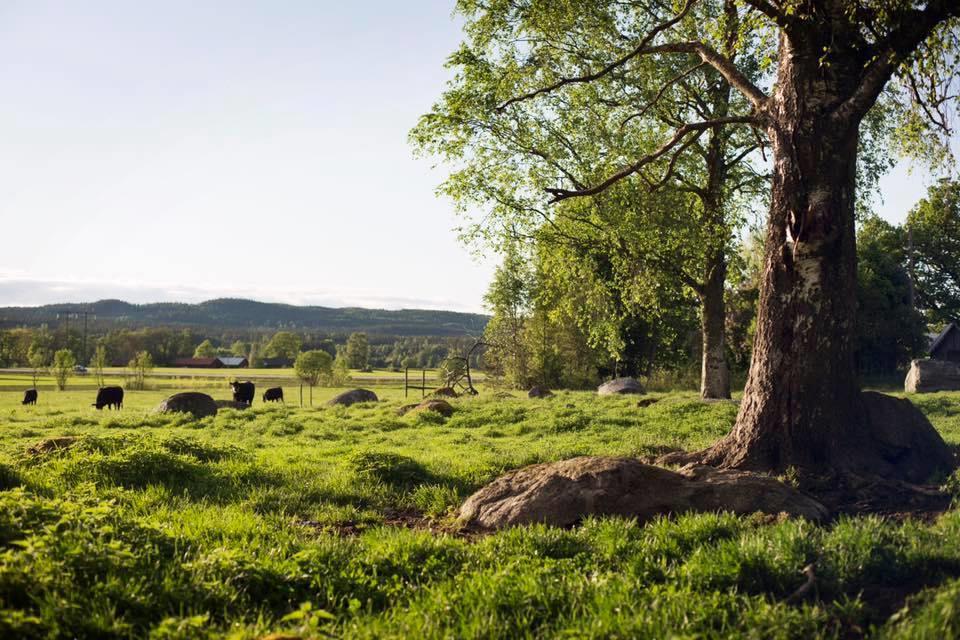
point(422, 386)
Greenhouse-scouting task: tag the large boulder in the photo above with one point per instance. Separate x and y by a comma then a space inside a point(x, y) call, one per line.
point(539, 392)
point(563, 493)
point(909, 447)
point(619, 386)
point(200, 405)
point(353, 396)
point(925, 376)
point(437, 405)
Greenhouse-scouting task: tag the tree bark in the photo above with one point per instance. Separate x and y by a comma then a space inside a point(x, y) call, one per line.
point(802, 406)
point(714, 371)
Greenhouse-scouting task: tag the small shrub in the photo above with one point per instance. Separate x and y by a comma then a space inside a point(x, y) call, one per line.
point(435, 499)
point(201, 451)
point(286, 428)
point(389, 468)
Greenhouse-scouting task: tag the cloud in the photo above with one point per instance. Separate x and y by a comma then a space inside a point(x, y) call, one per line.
point(17, 290)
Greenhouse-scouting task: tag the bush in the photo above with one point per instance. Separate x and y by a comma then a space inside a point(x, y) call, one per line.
point(391, 469)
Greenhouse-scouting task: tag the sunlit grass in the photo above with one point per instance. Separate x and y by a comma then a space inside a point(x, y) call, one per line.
point(273, 519)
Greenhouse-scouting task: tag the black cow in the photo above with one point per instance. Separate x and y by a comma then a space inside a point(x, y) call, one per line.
point(29, 396)
point(110, 397)
point(273, 395)
point(243, 392)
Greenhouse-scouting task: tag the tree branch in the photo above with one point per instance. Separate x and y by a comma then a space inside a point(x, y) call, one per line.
point(750, 149)
point(673, 161)
point(914, 27)
point(773, 12)
point(656, 98)
point(619, 62)
point(678, 136)
point(721, 63)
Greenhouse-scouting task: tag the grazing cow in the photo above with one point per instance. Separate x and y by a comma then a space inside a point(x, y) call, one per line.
point(273, 395)
point(29, 396)
point(110, 397)
point(243, 392)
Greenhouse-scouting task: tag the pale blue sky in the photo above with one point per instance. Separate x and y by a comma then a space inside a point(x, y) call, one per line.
point(183, 150)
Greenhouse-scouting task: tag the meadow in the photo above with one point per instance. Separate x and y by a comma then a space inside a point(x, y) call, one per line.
point(185, 378)
point(340, 522)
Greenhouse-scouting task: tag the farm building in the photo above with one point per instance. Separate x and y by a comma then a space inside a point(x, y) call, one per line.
point(234, 362)
point(946, 346)
point(220, 362)
point(198, 363)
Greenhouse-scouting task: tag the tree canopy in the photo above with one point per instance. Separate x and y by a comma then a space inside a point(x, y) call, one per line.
point(934, 251)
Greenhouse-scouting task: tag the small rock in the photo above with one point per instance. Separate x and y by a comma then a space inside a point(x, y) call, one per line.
point(405, 409)
point(200, 405)
point(620, 386)
point(446, 392)
point(539, 392)
point(646, 402)
point(353, 396)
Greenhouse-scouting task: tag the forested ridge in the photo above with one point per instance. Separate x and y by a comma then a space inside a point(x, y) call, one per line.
point(233, 313)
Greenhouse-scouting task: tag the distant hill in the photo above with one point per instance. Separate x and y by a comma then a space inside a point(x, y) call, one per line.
point(234, 313)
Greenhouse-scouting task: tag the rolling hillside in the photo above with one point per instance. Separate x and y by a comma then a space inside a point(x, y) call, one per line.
point(232, 313)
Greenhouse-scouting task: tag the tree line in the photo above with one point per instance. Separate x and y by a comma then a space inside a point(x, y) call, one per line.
point(35, 347)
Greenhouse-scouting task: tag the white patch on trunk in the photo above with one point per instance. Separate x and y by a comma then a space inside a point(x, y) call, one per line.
point(808, 278)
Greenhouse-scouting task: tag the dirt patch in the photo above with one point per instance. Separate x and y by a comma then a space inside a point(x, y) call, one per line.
point(400, 518)
point(53, 444)
point(851, 494)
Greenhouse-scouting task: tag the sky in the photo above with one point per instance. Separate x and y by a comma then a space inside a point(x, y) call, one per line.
point(185, 150)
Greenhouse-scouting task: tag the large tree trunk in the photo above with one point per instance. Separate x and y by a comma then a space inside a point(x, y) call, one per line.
point(714, 371)
point(802, 406)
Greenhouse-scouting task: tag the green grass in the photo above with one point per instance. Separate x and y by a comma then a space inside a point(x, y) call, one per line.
point(281, 519)
point(171, 378)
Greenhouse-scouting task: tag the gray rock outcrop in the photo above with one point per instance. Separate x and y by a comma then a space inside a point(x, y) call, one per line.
point(353, 396)
point(200, 405)
point(620, 386)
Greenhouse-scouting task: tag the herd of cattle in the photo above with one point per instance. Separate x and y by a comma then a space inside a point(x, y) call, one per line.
point(112, 397)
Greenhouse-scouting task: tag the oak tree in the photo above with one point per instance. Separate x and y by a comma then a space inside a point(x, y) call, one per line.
point(830, 62)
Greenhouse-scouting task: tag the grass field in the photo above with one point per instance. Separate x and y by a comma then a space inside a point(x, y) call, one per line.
point(183, 378)
point(320, 522)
